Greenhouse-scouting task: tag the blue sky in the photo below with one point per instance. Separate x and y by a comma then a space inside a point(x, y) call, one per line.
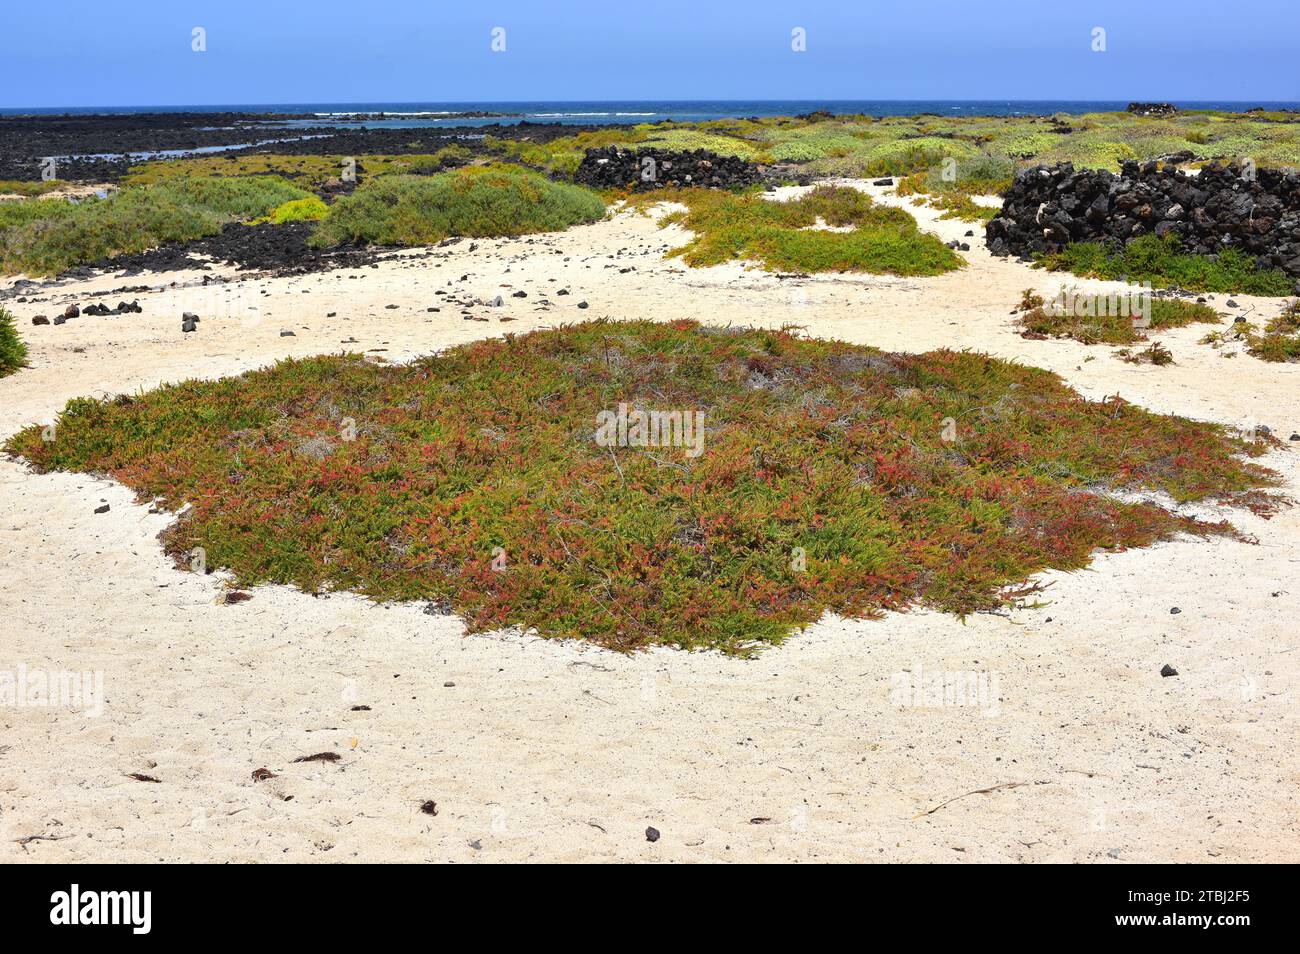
point(84, 53)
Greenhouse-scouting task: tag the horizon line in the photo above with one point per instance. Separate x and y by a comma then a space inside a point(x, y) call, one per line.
point(661, 101)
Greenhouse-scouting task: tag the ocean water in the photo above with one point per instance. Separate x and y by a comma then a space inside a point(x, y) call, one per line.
point(398, 115)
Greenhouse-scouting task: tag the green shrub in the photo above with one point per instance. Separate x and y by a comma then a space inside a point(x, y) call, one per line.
point(1106, 325)
point(58, 234)
point(781, 235)
point(1159, 261)
point(480, 201)
point(310, 209)
point(13, 353)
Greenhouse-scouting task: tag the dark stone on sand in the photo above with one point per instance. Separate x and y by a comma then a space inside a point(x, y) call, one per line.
point(883, 182)
point(582, 304)
point(40, 320)
point(102, 509)
point(72, 311)
point(1167, 670)
point(652, 834)
point(1174, 611)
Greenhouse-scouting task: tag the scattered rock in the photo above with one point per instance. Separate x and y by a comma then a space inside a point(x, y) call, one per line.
point(72, 311)
point(582, 304)
point(40, 320)
point(262, 774)
point(286, 333)
point(102, 509)
point(1167, 670)
point(652, 834)
point(1174, 611)
point(430, 807)
point(887, 181)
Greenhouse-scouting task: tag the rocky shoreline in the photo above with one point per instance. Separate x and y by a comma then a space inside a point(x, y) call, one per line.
point(99, 148)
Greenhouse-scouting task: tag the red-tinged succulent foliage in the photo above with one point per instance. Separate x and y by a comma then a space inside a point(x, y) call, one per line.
point(832, 477)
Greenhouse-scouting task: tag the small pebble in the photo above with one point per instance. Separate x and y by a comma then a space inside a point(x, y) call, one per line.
point(1168, 670)
point(652, 834)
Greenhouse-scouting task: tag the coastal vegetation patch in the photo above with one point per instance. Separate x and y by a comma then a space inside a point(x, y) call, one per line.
point(1099, 323)
point(803, 234)
point(822, 477)
point(47, 236)
point(1160, 261)
point(308, 171)
point(477, 201)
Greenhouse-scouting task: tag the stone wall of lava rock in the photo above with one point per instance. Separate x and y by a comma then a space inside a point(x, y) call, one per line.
point(642, 170)
point(1256, 211)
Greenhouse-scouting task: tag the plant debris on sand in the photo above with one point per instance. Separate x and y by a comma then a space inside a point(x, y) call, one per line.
point(1279, 341)
point(832, 477)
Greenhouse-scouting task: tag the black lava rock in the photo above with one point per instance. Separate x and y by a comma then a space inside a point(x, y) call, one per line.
point(644, 170)
point(1254, 211)
point(1152, 109)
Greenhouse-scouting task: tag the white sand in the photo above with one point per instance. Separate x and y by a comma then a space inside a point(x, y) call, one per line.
point(560, 751)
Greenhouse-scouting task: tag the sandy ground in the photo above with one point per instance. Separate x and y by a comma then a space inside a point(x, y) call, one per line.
point(541, 750)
